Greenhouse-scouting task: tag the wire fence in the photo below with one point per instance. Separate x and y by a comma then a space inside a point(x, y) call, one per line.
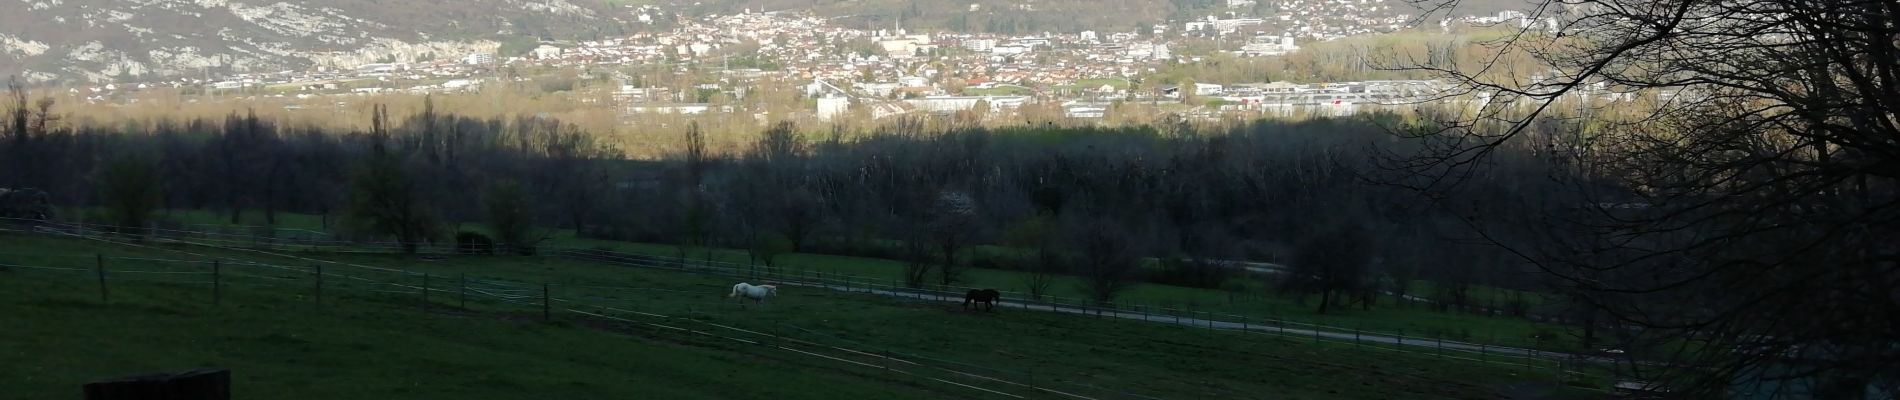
point(1011, 299)
point(314, 241)
point(513, 292)
point(326, 286)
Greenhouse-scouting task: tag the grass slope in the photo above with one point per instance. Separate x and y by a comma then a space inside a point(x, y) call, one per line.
point(280, 347)
point(1413, 320)
point(373, 345)
point(1255, 301)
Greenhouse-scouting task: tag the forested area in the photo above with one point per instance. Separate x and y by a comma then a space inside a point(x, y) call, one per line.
point(1173, 205)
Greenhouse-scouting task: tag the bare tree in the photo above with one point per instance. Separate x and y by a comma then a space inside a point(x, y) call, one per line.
point(384, 200)
point(18, 138)
point(1733, 194)
point(131, 192)
point(1332, 264)
point(952, 225)
point(1036, 254)
point(1108, 256)
point(511, 216)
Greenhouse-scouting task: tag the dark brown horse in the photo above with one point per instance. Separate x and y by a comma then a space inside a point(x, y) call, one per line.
point(986, 296)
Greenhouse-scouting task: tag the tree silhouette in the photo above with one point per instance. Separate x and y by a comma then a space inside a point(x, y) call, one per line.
point(1733, 196)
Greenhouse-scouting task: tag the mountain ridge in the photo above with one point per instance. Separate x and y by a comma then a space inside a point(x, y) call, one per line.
point(111, 40)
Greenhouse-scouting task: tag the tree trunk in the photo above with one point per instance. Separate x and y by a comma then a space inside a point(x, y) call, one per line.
point(1325, 298)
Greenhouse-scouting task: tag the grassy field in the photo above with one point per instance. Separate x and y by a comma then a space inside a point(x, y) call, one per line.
point(1413, 320)
point(362, 344)
point(1254, 301)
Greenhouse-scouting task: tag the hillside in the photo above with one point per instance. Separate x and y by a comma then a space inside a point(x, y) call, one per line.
point(108, 40)
point(1036, 16)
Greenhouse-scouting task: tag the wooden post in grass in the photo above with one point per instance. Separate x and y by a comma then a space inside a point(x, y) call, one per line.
point(463, 282)
point(425, 291)
point(1355, 337)
point(545, 314)
point(1441, 346)
point(217, 282)
point(319, 290)
point(100, 267)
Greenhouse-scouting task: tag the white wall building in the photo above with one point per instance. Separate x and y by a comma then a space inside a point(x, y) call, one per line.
point(546, 52)
point(478, 59)
point(980, 45)
point(949, 104)
point(830, 107)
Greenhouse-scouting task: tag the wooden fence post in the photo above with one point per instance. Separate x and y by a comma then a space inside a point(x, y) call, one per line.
point(100, 267)
point(425, 291)
point(217, 282)
point(319, 290)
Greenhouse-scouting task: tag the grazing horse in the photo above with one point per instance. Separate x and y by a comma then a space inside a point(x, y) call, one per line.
point(755, 292)
point(986, 296)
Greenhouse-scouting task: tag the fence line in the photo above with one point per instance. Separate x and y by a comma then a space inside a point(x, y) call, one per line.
point(515, 300)
point(839, 281)
point(1055, 303)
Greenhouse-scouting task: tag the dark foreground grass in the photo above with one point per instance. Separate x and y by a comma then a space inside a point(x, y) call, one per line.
point(363, 344)
point(59, 335)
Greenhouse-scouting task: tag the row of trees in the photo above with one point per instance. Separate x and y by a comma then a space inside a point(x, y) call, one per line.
point(1111, 206)
point(1101, 204)
point(406, 180)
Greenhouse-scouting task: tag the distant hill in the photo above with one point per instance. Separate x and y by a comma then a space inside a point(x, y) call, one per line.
point(106, 40)
point(118, 40)
point(1035, 16)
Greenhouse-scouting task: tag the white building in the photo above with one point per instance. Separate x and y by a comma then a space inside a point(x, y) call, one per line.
point(949, 104)
point(378, 68)
point(546, 52)
point(1009, 50)
point(877, 89)
point(1226, 26)
point(830, 107)
point(478, 59)
point(1269, 46)
point(459, 84)
point(980, 45)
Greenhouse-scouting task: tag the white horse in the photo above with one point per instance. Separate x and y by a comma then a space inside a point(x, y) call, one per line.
point(755, 292)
